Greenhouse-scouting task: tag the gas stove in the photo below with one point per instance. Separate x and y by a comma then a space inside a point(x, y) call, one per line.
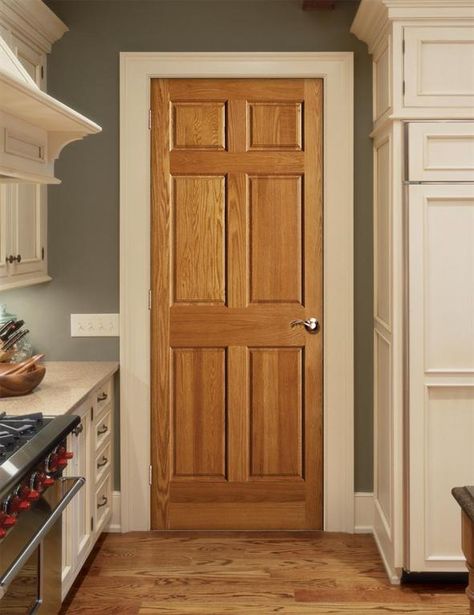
point(32, 456)
point(15, 431)
point(33, 495)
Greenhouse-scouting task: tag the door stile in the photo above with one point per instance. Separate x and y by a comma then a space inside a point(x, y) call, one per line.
point(160, 453)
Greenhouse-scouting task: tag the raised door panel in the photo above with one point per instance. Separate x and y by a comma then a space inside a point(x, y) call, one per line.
point(382, 230)
point(81, 511)
point(441, 151)
point(198, 125)
point(28, 229)
point(276, 413)
point(199, 239)
point(275, 126)
point(441, 355)
point(32, 60)
point(199, 413)
point(5, 231)
point(438, 64)
point(276, 240)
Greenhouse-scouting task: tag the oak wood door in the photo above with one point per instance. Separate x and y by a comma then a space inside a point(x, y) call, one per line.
point(236, 257)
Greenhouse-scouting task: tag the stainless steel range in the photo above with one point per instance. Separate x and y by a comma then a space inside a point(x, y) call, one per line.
point(33, 495)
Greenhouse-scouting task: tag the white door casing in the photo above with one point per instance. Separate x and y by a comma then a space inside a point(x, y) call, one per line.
point(136, 71)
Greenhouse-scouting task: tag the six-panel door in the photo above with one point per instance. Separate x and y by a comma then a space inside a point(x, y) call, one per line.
point(236, 257)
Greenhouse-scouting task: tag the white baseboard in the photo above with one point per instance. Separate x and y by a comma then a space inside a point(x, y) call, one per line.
point(364, 513)
point(363, 504)
point(115, 525)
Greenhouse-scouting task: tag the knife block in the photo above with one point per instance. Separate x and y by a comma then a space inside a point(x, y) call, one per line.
point(14, 385)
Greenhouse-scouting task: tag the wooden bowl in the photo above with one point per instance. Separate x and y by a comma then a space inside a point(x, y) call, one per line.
point(14, 385)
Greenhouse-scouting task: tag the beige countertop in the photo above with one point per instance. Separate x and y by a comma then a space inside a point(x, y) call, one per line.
point(64, 387)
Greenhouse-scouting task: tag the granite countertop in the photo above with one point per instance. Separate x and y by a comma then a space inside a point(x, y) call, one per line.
point(465, 499)
point(65, 385)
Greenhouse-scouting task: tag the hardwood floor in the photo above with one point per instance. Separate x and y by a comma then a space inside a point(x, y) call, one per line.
point(248, 573)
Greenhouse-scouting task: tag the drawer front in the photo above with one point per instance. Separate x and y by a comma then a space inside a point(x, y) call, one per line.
point(103, 396)
point(103, 462)
point(438, 64)
point(103, 427)
point(441, 151)
point(103, 504)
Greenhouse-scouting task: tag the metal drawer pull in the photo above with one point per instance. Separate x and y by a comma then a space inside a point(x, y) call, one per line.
point(104, 501)
point(103, 462)
point(310, 324)
point(102, 430)
point(102, 397)
point(78, 430)
point(11, 259)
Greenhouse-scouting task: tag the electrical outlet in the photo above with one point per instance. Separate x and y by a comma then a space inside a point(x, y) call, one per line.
point(94, 325)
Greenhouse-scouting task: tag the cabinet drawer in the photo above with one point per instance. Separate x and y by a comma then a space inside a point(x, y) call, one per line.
point(441, 151)
point(438, 67)
point(103, 396)
point(103, 427)
point(103, 503)
point(103, 461)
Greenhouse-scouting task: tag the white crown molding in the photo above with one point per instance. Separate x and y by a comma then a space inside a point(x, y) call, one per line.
point(33, 21)
point(374, 16)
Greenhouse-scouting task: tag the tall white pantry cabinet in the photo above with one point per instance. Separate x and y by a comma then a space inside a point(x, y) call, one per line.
point(423, 140)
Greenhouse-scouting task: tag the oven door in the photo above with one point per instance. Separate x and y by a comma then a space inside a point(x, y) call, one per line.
point(30, 558)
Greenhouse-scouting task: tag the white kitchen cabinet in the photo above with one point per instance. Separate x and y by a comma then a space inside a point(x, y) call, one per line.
point(438, 63)
point(90, 512)
point(23, 207)
point(441, 359)
point(423, 131)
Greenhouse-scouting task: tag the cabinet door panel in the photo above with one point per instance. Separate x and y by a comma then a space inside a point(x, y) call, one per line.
point(4, 230)
point(441, 355)
point(82, 504)
point(28, 228)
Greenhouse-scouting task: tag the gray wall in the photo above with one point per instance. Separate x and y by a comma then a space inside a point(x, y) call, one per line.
point(84, 210)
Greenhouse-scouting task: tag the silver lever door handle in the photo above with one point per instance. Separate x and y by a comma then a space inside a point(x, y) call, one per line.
point(310, 324)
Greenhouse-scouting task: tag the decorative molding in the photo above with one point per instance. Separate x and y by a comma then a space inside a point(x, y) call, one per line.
point(136, 70)
point(115, 526)
point(33, 21)
point(374, 17)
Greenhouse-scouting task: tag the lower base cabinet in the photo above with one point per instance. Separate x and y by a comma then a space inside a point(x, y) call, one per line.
point(90, 512)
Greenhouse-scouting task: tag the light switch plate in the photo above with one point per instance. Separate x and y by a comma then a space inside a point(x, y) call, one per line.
point(94, 325)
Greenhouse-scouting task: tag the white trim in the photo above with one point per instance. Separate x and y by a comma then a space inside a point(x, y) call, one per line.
point(365, 510)
point(114, 526)
point(136, 70)
point(364, 513)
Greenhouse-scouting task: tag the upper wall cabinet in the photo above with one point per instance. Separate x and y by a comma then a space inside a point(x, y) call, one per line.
point(438, 67)
point(423, 54)
point(34, 127)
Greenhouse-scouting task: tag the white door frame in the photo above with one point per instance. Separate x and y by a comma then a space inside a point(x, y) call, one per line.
point(136, 70)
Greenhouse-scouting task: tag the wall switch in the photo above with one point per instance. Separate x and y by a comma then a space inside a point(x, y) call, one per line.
point(94, 325)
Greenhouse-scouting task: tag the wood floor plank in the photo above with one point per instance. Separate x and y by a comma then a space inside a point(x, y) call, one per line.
point(248, 573)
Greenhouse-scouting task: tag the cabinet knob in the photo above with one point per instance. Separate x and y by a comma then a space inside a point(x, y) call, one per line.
point(102, 397)
point(11, 259)
point(103, 502)
point(102, 430)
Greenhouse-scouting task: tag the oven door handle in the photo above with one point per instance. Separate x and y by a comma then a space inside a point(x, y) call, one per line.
point(26, 552)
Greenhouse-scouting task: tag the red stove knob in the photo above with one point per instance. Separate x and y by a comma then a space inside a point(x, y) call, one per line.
point(33, 495)
point(7, 521)
point(48, 481)
point(36, 481)
point(64, 454)
point(17, 504)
